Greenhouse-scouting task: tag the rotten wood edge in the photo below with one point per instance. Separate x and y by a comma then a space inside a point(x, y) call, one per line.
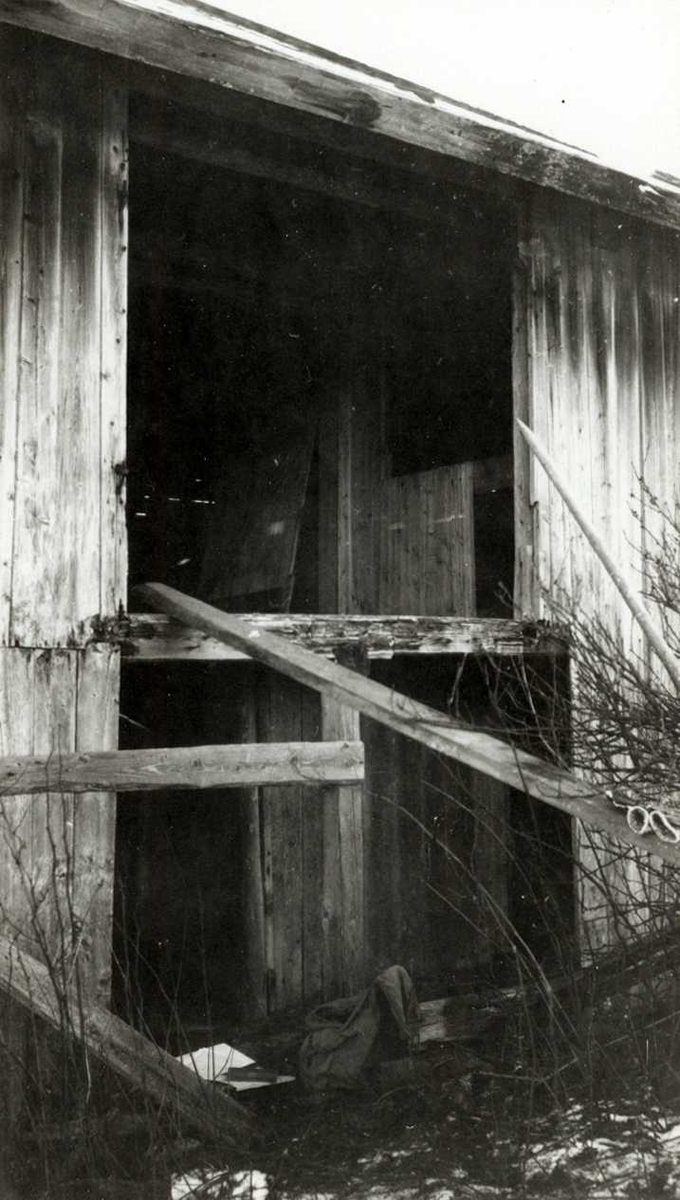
point(481, 751)
point(332, 763)
point(150, 637)
point(177, 1089)
point(196, 40)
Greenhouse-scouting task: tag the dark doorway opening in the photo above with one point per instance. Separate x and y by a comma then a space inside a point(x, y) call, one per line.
point(257, 308)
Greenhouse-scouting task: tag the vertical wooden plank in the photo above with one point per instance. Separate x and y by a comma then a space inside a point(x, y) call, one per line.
point(16, 736)
point(79, 465)
point(384, 868)
point(95, 823)
point(341, 724)
point(55, 308)
point(36, 500)
point(282, 817)
point(345, 499)
point(12, 177)
point(50, 852)
point(335, 948)
point(317, 983)
point(328, 504)
point(254, 900)
point(268, 834)
point(65, 321)
point(525, 600)
point(371, 468)
point(428, 532)
point(113, 192)
point(490, 856)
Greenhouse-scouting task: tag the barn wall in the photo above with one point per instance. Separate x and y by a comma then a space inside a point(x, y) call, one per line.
point(62, 440)
point(405, 544)
point(597, 329)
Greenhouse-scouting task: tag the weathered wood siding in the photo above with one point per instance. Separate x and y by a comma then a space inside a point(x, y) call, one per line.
point(597, 354)
point(63, 242)
point(405, 544)
point(427, 543)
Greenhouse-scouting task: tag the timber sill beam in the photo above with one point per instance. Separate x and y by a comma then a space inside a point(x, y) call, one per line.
point(202, 1108)
point(149, 637)
point(192, 38)
point(480, 751)
point(242, 765)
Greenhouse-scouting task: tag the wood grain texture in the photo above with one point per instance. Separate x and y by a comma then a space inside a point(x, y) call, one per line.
point(12, 97)
point(255, 989)
point(94, 820)
point(113, 167)
point(150, 637)
point(596, 372)
point(62, 531)
point(241, 765)
point(229, 51)
point(280, 704)
point(475, 749)
point(344, 870)
point(428, 539)
point(342, 946)
point(63, 366)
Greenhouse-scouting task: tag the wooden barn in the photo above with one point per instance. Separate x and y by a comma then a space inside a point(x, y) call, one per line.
point(267, 317)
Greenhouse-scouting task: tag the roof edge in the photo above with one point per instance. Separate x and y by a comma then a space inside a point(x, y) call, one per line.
point(192, 38)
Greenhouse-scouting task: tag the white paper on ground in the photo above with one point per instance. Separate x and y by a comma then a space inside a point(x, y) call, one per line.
point(215, 1063)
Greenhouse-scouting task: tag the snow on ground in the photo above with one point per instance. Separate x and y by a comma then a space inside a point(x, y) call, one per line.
point(622, 1155)
point(636, 1154)
point(209, 1183)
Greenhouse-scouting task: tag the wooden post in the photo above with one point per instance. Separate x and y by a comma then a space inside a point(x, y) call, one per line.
point(63, 280)
point(343, 900)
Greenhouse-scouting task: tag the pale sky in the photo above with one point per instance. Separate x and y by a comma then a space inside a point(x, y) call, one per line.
point(603, 74)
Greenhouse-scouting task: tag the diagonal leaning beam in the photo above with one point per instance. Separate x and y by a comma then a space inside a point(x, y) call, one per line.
point(198, 1105)
point(481, 751)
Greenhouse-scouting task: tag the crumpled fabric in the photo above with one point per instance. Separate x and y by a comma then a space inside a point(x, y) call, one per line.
point(348, 1037)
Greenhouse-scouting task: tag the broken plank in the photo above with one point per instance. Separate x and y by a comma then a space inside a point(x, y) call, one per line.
point(483, 752)
point(150, 637)
point(205, 1109)
point(237, 766)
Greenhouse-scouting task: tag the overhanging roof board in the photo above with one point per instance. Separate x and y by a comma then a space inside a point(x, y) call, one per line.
point(200, 40)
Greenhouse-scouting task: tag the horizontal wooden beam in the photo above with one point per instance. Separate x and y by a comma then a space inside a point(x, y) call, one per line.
point(179, 1091)
point(151, 637)
point(351, 141)
point(195, 39)
point(242, 765)
point(480, 751)
point(292, 161)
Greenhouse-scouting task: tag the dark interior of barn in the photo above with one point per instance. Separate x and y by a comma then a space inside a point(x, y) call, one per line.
point(256, 308)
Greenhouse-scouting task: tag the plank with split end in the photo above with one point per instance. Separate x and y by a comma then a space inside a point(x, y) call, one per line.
point(147, 637)
point(481, 751)
point(196, 39)
point(203, 1108)
point(238, 766)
